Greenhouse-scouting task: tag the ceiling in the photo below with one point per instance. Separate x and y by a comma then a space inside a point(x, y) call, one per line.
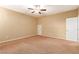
point(50, 9)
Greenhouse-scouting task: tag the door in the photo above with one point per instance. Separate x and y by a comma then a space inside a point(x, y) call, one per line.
point(39, 29)
point(71, 29)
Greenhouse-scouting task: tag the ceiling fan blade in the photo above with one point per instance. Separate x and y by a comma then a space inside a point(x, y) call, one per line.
point(33, 11)
point(40, 13)
point(42, 9)
point(30, 8)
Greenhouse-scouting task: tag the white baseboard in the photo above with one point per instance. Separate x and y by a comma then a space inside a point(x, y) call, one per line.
point(16, 38)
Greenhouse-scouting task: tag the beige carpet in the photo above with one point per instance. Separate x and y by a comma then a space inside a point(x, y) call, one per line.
point(39, 44)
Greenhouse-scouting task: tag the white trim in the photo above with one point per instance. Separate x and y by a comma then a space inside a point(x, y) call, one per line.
point(15, 39)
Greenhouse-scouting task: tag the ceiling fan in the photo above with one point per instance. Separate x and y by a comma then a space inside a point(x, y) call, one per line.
point(37, 8)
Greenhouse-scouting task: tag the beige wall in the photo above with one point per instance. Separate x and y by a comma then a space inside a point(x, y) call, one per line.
point(14, 24)
point(55, 25)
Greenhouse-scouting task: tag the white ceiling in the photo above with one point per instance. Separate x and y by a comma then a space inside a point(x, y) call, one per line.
point(51, 9)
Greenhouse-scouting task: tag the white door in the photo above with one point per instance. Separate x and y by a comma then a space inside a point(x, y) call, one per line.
point(39, 29)
point(78, 28)
point(71, 29)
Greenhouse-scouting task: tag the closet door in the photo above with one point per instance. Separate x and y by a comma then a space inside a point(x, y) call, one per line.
point(39, 29)
point(71, 29)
